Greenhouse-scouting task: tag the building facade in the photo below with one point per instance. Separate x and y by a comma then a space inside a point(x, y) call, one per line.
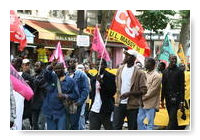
point(46, 27)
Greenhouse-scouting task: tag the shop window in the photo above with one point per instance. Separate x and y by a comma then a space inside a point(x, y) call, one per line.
point(29, 12)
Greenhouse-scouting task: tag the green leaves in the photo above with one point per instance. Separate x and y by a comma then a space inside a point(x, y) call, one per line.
point(155, 19)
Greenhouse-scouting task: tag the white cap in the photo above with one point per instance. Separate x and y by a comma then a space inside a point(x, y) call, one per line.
point(24, 61)
point(132, 52)
point(80, 67)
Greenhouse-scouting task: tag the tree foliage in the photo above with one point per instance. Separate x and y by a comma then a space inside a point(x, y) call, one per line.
point(185, 29)
point(105, 17)
point(155, 19)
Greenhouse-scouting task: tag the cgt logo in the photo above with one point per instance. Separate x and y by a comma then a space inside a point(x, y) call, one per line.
point(123, 18)
point(19, 34)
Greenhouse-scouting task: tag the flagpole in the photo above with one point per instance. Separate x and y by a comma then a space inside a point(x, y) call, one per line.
point(102, 55)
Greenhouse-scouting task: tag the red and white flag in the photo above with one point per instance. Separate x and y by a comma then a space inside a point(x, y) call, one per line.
point(17, 33)
point(99, 46)
point(19, 84)
point(127, 29)
point(57, 54)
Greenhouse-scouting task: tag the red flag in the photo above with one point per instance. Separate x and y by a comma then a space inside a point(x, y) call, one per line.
point(57, 54)
point(127, 29)
point(17, 33)
point(19, 84)
point(99, 46)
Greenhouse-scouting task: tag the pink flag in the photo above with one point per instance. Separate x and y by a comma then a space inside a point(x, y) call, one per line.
point(57, 54)
point(19, 84)
point(99, 46)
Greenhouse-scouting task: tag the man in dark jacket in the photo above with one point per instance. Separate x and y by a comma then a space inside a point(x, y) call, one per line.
point(26, 74)
point(173, 91)
point(39, 94)
point(102, 99)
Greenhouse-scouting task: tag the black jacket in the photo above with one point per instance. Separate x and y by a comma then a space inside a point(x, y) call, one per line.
point(107, 91)
point(39, 84)
point(27, 104)
point(173, 82)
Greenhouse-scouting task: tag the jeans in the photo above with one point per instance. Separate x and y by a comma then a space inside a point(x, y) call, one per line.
point(120, 112)
point(146, 113)
point(97, 119)
point(82, 118)
point(56, 124)
point(73, 123)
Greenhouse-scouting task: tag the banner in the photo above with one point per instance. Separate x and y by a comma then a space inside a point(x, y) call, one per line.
point(166, 50)
point(17, 33)
point(19, 84)
point(126, 28)
point(57, 54)
point(181, 55)
point(99, 46)
point(162, 118)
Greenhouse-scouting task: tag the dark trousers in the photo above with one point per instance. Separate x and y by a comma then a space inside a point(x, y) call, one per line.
point(38, 120)
point(87, 111)
point(98, 119)
point(35, 118)
point(120, 112)
point(172, 113)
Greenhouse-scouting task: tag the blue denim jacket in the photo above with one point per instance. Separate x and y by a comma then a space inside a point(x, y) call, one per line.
point(83, 85)
point(52, 106)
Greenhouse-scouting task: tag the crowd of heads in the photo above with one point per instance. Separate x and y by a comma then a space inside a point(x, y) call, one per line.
point(72, 64)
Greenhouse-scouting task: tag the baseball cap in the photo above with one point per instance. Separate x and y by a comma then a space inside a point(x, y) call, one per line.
point(132, 52)
point(24, 61)
point(80, 67)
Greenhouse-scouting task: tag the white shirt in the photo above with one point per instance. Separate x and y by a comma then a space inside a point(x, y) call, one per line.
point(97, 100)
point(126, 81)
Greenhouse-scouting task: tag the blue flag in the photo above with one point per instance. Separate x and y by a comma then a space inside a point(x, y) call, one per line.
point(166, 50)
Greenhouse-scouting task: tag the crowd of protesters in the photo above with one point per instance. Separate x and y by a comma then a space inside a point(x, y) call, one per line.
point(69, 98)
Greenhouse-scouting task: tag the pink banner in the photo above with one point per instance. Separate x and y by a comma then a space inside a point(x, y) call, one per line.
point(57, 54)
point(19, 84)
point(99, 46)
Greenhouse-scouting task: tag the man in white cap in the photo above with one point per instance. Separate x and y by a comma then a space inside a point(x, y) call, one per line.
point(26, 66)
point(131, 85)
point(27, 104)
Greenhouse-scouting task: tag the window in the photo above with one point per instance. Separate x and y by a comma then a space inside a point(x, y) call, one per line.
point(29, 12)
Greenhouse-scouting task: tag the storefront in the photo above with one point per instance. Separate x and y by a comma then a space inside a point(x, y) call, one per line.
point(29, 48)
point(48, 34)
point(158, 41)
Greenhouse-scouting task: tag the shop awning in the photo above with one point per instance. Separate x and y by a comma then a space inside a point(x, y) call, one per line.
point(29, 36)
point(53, 31)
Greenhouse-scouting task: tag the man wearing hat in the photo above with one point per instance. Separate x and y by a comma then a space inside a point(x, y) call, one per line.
point(131, 85)
point(29, 80)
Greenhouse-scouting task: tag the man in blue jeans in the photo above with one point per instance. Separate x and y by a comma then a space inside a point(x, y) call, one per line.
point(53, 108)
point(150, 100)
point(83, 87)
